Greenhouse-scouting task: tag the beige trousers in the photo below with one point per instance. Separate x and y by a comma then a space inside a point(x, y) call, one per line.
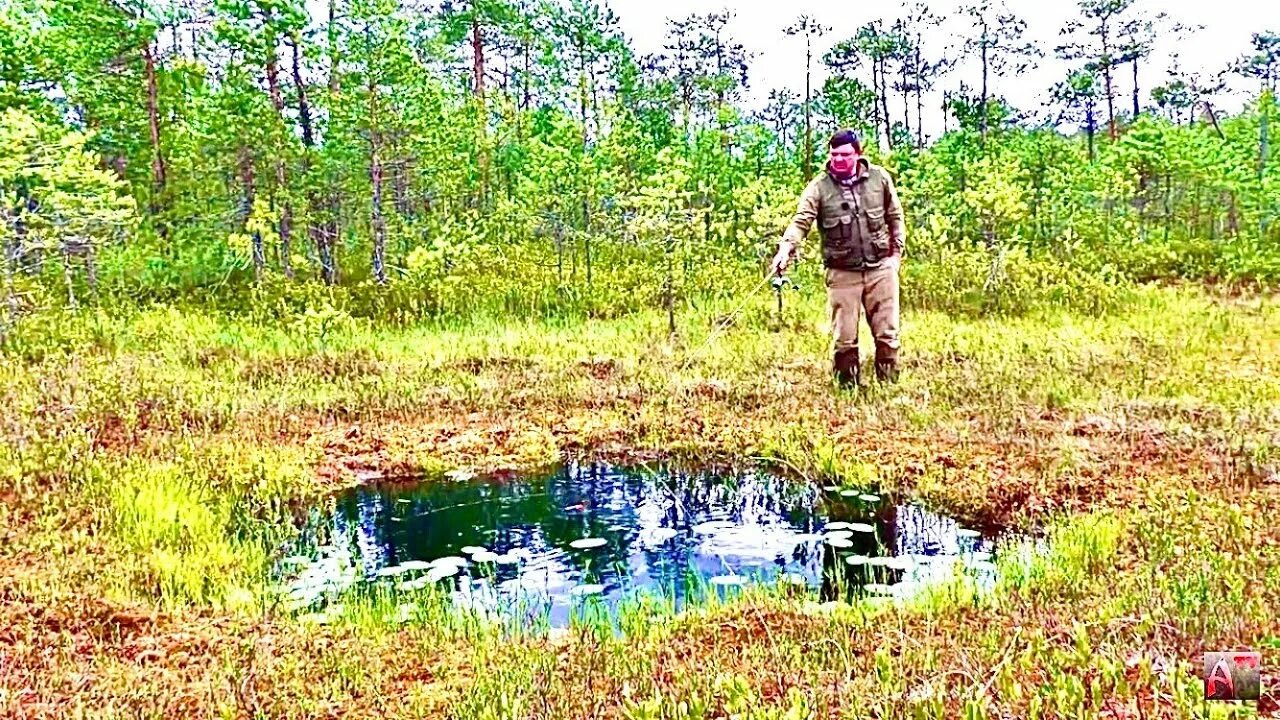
point(849, 292)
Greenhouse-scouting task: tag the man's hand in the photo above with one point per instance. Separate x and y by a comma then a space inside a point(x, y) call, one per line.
point(781, 260)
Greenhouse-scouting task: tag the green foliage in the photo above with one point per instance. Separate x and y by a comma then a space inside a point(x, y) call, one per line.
point(56, 186)
point(200, 529)
point(56, 201)
point(588, 181)
point(1074, 553)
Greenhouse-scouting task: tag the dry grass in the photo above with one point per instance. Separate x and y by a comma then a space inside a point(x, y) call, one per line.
point(1011, 423)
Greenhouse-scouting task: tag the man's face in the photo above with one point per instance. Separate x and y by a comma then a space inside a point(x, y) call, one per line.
point(843, 158)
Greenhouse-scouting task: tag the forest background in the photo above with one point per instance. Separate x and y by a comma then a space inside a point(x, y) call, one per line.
point(392, 159)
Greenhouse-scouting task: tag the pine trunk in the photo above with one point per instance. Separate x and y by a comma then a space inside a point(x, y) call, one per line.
point(315, 230)
point(875, 90)
point(477, 57)
point(158, 170)
point(328, 236)
point(281, 190)
point(808, 120)
point(919, 97)
point(304, 107)
point(982, 111)
point(68, 277)
point(524, 81)
point(884, 102)
point(327, 242)
point(906, 101)
point(1110, 90)
point(1137, 106)
point(584, 90)
point(334, 53)
point(1090, 129)
point(377, 221)
point(246, 210)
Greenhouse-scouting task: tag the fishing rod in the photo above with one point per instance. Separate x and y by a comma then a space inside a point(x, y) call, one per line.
point(777, 280)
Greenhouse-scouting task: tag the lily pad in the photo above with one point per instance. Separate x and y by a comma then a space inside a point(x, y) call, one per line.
point(416, 565)
point(449, 560)
point(581, 590)
point(838, 525)
point(659, 535)
point(441, 572)
point(416, 584)
point(485, 557)
point(868, 497)
point(848, 493)
point(588, 543)
point(900, 562)
point(968, 533)
point(893, 562)
point(839, 542)
point(831, 488)
point(862, 527)
point(846, 534)
point(857, 560)
point(473, 549)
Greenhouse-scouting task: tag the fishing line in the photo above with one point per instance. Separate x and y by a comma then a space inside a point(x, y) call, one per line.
point(725, 323)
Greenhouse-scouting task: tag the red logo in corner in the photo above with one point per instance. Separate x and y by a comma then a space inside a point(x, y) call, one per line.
point(1232, 675)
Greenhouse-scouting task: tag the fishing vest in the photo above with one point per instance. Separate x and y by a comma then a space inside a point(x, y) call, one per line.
point(855, 233)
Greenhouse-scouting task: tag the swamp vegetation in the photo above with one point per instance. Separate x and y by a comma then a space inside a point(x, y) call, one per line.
point(263, 260)
point(155, 460)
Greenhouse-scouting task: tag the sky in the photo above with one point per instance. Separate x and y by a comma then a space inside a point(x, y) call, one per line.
point(779, 59)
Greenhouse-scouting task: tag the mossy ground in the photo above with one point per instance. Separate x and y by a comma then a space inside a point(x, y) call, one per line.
point(152, 459)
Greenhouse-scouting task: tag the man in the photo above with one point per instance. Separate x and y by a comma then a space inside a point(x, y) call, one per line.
point(863, 234)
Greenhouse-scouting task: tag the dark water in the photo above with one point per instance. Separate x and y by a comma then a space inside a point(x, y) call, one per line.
point(672, 535)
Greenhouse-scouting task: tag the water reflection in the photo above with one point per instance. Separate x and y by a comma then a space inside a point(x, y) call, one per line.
point(666, 533)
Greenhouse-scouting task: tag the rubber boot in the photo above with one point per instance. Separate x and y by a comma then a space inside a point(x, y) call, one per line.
point(886, 366)
point(847, 367)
